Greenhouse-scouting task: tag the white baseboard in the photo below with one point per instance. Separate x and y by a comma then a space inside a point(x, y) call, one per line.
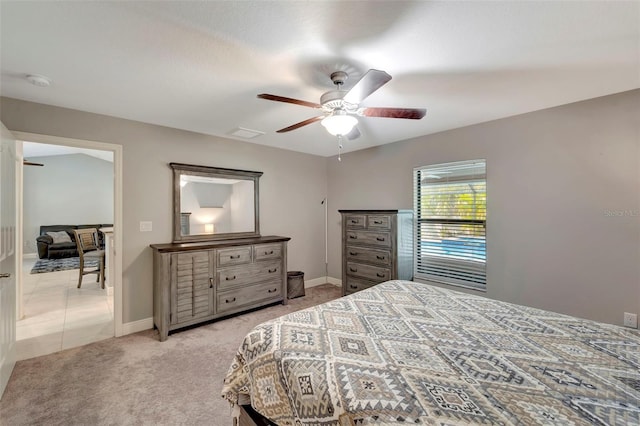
point(322, 280)
point(136, 326)
point(335, 281)
point(29, 255)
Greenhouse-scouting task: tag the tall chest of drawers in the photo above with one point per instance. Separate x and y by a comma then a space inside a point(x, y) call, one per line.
point(377, 246)
point(197, 282)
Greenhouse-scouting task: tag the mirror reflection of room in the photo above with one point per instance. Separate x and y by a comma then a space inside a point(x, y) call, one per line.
point(210, 205)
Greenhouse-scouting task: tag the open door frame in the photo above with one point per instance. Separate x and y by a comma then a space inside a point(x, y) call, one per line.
point(8, 255)
point(117, 212)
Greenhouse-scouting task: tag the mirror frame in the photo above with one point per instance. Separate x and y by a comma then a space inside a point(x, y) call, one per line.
point(180, 169)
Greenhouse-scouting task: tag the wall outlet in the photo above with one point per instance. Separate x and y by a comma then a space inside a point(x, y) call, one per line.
point(145, 226)
point(630, 320)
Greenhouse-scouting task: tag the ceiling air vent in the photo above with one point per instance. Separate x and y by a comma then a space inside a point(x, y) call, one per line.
point(241, 132)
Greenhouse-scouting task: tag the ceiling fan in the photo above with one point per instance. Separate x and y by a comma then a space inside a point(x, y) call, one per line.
point(340, 108)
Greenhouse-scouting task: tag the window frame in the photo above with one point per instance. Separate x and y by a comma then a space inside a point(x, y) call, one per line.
point(461, 267)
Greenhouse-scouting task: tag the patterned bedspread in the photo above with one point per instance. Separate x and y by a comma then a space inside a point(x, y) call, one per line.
point(404, 352)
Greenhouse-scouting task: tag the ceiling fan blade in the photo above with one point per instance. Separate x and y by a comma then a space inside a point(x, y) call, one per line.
point(410, 113)
point(353, 134)
point(300, 124)
point(369, 83)
point(288, 100)
point(31, 163)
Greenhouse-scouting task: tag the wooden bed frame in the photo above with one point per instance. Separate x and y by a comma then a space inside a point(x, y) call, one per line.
point(248, 417)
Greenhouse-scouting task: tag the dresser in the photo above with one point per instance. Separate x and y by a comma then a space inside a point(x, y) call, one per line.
point(197, 282)
point(377, 246)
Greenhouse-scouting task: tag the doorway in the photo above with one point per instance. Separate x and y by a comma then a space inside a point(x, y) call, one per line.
point(54, 314)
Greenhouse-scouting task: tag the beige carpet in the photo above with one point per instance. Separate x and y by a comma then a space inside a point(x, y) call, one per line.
point(136, 380)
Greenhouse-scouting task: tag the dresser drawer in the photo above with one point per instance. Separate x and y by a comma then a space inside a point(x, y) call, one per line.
point(234, 256)
point(267, 251)
point(248, 274)
point(380, 239)
point(229, 300)
point(354, 285)
point(370, 272)
point(367, 255)
point(379, 222)
point(355, 221)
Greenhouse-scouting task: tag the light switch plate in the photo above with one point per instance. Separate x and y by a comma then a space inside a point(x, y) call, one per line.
point(145, 226)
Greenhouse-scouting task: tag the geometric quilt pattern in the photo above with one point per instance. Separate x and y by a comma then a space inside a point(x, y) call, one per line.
point(367, 390)
point(310, 393)
point(490, 368)
point(349, 322)
point(390, 327)
point(417, 355)
point(408, 353)
point(350, 347)
point(453, 402)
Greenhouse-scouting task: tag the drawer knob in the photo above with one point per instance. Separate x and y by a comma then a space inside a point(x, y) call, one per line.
point(268, 252)
point(377, 222)
point(355, 221)
point(353, 253)
point(380, 238)
point(380, 257)
point(211, 282)
point(353, 269)
point(271, 271)
point(273, 290)
point(230, 278)
point(237, 256)
point(229, 301)
point(353, 286)
point(353, 237)
point(380, 274)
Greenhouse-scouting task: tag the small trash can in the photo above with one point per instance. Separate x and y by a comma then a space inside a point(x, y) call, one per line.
point(295, 284)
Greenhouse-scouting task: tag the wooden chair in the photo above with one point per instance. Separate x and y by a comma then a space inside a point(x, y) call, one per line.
point(89, 248)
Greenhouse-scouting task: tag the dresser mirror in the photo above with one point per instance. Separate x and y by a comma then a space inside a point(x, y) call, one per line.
point(212, 203)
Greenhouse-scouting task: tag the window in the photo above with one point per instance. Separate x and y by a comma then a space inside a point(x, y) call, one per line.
point(450, 205)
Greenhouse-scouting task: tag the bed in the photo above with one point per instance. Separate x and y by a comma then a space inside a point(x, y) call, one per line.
point(404, 352)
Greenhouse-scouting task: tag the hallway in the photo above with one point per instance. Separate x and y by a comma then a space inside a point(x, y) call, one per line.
point(58, 315)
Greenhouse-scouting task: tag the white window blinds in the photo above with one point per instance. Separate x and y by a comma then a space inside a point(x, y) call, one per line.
point(450, 204)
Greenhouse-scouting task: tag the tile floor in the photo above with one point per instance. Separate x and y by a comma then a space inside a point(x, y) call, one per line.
point(58, 315)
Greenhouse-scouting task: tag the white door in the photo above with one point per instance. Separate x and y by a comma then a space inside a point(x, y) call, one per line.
point(7, 256)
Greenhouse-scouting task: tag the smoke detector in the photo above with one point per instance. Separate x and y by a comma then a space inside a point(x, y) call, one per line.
point(39, 80)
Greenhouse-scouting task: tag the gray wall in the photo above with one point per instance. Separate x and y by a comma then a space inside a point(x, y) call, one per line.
point(71, 189)
point(557, 182)
point(563, 189)
point(291, 188)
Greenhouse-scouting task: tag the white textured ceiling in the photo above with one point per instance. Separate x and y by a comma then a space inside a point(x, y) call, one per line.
point(34, 149)
point(199, 65)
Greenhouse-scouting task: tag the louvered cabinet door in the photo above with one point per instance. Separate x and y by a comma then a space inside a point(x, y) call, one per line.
point(192, 286)
point(198, 282)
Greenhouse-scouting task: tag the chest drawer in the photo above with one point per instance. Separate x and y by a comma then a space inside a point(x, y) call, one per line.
point(379, 222)
point(380, 239)
point(354, 285)
point(234, 256)
point(367, 255)
point(369, 272)
point(229, 300)
point(355, 221)
point(267, 251)
point(248, 274)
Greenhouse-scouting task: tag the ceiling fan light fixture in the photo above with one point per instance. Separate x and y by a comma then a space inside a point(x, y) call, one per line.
point(339, 123)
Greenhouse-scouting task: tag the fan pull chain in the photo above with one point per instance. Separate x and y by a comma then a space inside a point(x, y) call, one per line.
point(339, 147)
